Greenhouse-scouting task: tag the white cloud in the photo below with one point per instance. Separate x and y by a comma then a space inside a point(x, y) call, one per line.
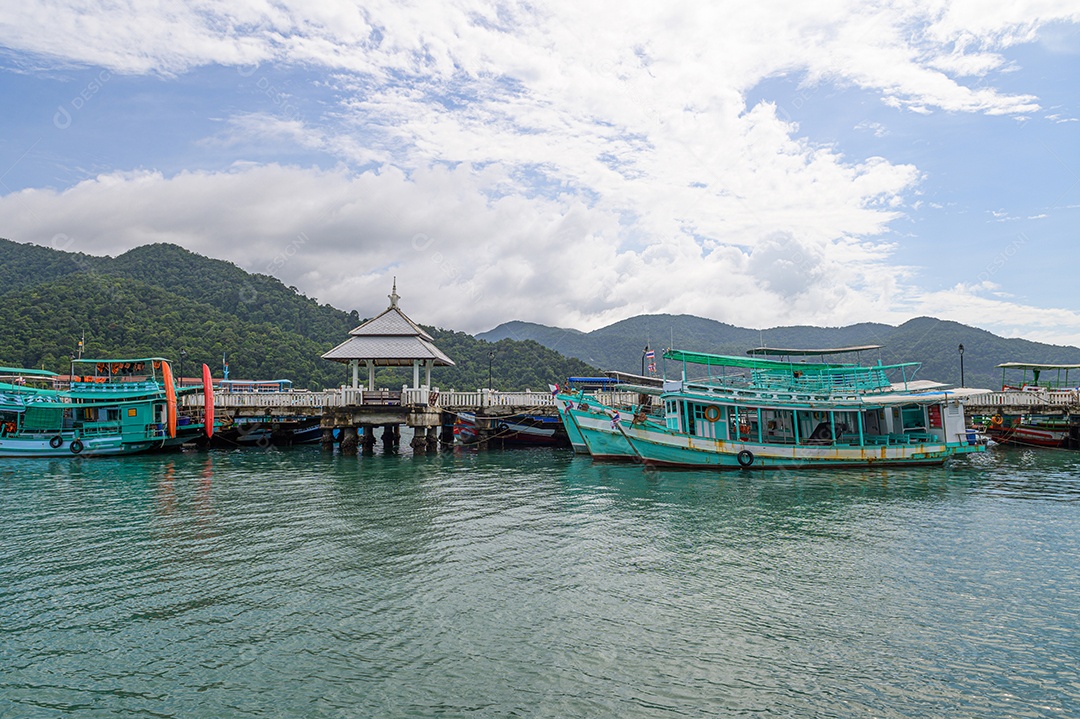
point(600, 156)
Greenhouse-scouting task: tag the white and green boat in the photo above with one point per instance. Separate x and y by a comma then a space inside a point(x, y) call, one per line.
point(109, 407)
point(763, 412)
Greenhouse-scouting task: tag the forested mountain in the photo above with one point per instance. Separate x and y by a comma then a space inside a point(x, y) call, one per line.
point(157, 300)
point(935, 343)
point(161, 299)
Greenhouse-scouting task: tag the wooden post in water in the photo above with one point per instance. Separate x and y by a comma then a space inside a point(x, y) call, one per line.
point(348, 440)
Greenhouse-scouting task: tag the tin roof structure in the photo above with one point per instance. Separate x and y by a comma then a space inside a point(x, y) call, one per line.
point(389, 340)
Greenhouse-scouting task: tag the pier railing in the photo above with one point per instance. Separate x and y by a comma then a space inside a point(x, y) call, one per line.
point(1048, 398)
point(408, 397)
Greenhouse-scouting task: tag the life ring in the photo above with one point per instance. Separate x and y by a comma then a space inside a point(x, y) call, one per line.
point(76, 446)
point(745, 458)
point(712, 413)
point(56, 441)
point(819, 416)
point(995, 421)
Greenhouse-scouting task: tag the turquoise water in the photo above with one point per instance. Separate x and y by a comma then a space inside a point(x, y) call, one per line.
point(533, 583)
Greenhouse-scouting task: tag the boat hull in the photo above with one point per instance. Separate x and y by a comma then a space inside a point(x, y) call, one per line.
point(573, 432)
point(659, 448)
point(1029, 436)
point(599, 433)
point(91, 446)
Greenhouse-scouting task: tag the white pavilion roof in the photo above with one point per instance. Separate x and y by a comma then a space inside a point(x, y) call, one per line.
point(389, 340)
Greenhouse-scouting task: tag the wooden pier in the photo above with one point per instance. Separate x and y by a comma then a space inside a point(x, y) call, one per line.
point(358, 413)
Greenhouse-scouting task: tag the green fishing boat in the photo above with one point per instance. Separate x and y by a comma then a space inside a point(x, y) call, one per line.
point(108, 407)
point(763, 412)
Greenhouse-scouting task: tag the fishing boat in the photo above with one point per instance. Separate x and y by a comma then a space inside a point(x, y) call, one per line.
point(762, 412)
point(573, 432)
point(598, 424)
point(518, 429)
point(255, 432)
point(109, 407)
point(589, 420)
point(1035, 385)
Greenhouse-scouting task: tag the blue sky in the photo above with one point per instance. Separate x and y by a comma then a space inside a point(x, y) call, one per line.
point(566, 164)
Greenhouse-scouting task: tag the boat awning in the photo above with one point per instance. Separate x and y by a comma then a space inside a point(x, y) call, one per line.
point(6, 371)
point(635, 379)
point(1029, 365)
point(712, 360)
point(779, 351)
point(923, 397)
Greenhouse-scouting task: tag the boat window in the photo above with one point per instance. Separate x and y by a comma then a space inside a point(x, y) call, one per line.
point(779, 426)
point(913, 417)
point(744, 424)
point(688, 417)
point(815, 427)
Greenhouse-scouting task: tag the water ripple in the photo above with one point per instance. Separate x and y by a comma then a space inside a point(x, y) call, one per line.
point(536, 583)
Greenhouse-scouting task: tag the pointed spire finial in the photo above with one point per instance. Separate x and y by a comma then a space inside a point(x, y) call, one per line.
point(394, 296)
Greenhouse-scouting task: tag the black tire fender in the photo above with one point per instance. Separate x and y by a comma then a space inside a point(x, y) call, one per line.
point(745, 458)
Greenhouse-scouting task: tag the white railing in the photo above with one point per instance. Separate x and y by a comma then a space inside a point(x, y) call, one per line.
point(261, 399)
point(489, 398)
point(1048, 398)
point(407, 397)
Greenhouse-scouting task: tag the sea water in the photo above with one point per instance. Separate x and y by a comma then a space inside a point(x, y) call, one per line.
point(536, 583)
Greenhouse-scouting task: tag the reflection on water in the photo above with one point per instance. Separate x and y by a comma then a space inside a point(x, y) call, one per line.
point(536, 583)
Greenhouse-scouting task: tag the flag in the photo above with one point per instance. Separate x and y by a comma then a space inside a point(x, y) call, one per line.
point(615, 420)
point(650, 355)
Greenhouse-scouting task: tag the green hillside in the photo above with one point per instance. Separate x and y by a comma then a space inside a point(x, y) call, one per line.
point(161, 299)
point(932, 342)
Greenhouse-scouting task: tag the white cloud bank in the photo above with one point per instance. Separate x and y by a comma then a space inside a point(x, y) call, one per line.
point(565, 163)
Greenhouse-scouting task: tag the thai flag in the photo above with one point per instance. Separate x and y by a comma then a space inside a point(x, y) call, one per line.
point(650, 355)
point(615, 420)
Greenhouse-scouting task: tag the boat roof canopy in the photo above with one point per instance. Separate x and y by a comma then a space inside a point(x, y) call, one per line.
point(779, 351)
point(120, 361)
point(1031, 365)
point(27, 372)
point(744, 362)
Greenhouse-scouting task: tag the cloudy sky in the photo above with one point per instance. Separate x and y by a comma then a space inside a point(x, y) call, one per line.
point(570, 163)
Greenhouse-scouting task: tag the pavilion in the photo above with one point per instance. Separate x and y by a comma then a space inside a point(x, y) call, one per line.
point(389, 340)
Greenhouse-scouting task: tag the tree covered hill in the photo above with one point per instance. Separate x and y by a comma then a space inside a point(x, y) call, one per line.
point(935, 343)
point(157, 300)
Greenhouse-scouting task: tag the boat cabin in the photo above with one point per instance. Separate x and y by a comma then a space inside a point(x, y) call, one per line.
point(768, 401)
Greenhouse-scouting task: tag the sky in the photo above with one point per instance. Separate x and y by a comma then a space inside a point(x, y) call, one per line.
point(763, 164)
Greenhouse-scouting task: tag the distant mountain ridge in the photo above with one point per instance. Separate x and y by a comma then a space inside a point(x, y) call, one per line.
point(160, 299)
point(933, 342)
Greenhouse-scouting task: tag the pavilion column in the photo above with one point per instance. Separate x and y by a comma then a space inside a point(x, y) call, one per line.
point(355, 373)
point(416, 374)
point(427, 372)
point(370, 374)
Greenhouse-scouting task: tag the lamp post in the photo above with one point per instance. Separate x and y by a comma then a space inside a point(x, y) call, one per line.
point(491, 356)
point(643, 353)
point(961, 350)
point(183, 354)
